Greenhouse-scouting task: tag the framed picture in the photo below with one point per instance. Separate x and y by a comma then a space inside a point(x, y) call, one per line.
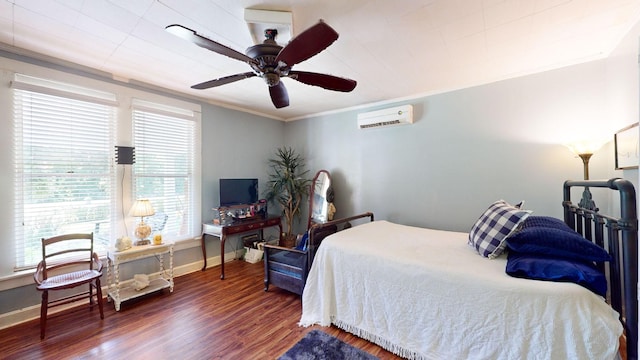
point(626, 148)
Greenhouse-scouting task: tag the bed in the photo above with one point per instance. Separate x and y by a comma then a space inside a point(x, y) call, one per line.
point(426, 294)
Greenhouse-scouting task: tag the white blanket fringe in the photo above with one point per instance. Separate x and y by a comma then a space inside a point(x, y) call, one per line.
point(382, 342)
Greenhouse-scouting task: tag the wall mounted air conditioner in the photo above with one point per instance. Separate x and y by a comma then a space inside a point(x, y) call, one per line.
point(386, 117)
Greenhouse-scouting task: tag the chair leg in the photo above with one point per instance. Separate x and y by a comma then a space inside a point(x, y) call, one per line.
point(43, 313)
point(99, 299)
point(91, 296)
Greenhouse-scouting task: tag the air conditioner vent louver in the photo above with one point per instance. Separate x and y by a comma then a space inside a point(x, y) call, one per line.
point(385, 123)
point(387, 117)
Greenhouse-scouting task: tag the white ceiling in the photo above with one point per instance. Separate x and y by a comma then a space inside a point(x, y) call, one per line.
point(395, 49)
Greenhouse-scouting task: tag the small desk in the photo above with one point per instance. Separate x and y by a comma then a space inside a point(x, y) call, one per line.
point(118, 293)
point(221, 231)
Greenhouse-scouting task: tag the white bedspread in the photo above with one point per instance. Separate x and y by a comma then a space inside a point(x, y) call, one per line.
point(423, 293)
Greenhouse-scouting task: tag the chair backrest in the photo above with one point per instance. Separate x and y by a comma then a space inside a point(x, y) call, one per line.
point(65, 251)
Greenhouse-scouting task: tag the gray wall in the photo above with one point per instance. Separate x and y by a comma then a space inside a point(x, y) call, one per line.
point(470, 147)
point(234, 145)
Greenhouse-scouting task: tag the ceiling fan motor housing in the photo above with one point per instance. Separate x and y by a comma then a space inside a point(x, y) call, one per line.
point(266, 54)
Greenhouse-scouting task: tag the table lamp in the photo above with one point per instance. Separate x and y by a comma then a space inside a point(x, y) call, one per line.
point(142, 208)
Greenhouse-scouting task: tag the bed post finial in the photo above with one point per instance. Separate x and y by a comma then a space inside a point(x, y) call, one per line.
point(587, 200)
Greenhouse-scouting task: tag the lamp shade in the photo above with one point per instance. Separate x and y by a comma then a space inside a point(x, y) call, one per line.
point(142, 207)
point(584, 147)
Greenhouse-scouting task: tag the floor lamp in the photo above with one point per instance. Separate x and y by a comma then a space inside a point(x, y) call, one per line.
point(585, 150)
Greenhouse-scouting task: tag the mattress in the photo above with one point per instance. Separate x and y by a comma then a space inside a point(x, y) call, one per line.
point(425, 294)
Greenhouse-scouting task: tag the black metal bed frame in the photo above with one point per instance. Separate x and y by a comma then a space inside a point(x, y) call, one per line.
point(619, 236)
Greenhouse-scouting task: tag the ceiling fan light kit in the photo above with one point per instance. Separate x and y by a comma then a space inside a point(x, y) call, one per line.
point(273, 62)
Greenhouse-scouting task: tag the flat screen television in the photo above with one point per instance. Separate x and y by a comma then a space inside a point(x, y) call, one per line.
point(238, 191)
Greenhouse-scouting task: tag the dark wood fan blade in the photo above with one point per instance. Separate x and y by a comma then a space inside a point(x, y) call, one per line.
point(309, 43)
point(223, 80)
point(279, 95)
point(328, 82)
point(208, 44)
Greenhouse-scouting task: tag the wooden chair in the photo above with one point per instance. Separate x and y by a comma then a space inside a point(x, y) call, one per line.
point(68, 261)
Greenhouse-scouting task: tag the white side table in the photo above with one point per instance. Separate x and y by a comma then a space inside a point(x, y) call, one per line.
point(119, 293)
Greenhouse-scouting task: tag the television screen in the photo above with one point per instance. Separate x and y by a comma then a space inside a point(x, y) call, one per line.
point(238, 191)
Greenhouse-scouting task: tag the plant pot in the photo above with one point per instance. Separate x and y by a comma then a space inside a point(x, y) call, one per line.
point(288, 241)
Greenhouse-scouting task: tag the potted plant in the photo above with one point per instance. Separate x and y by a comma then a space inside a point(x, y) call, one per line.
point(288, 187)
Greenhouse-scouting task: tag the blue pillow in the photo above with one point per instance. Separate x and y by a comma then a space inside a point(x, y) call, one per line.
point(545, 221)
point(544, 268)
point(302, 245)
point(557, 243)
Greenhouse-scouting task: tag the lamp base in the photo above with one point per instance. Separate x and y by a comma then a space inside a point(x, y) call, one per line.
point(142, 242)
point(142, 233)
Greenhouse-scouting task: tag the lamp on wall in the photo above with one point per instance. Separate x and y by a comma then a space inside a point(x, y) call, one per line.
point(142, 208)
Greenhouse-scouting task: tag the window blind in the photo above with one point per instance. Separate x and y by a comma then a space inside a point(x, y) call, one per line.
point(64, 178)
point(164, 139)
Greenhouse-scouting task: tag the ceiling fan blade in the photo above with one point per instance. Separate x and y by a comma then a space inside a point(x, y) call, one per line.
point(328, 82)
point(208, 44)
point(279, 95)
point(309, 43)
point(223, 80)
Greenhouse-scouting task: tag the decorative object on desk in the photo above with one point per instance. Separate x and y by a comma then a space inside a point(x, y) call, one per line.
point(157, 239)
point(123, 243)
point(627, 151)
point(140, 281)
point(317, 345)
point(288, 187)
point(142, 208)
point(585, 149)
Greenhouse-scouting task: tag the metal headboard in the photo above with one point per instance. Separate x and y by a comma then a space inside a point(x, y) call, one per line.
point(619, 236)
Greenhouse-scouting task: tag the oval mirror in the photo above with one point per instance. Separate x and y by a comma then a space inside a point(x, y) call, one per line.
point(320, 199)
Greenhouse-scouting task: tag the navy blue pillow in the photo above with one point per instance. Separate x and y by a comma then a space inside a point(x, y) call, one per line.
point(545, 221)
point(539, 267)
point(302, 245)
point(557, 243)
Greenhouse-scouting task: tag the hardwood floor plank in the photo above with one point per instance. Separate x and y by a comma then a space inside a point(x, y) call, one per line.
point(204, 318)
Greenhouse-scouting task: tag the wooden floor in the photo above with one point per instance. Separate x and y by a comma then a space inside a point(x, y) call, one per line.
point(204, 318)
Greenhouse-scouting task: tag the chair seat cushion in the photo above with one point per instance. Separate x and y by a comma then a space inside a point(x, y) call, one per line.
point(69, 280)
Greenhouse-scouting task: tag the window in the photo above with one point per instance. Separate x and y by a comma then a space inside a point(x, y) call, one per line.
point(165, 141)
point(64, 177)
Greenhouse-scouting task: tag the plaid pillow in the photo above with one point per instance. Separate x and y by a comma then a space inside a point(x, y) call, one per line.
point(489, 234)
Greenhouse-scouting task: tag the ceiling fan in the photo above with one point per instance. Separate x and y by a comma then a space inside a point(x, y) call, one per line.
point(273, 62)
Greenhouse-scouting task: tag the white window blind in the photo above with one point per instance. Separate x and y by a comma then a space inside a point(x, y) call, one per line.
point(164, 138)
point(63, 165)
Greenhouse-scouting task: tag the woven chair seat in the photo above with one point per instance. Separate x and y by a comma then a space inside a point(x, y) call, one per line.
point(69, 280)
